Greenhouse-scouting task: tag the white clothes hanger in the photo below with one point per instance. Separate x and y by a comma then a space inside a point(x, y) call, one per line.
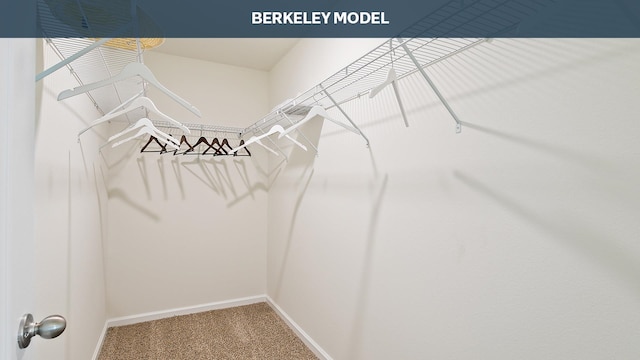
point(142, 101)
point(392, 79)
point(259, 142)
point(130, 70)
point(138, 124)
point(171, 141)
point(274, 129)
point(127, 102)
point(279, 129)
point(254, 139)
point(316, 111)
point(143, 123)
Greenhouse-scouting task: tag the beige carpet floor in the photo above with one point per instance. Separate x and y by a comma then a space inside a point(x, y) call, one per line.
point(244, 332)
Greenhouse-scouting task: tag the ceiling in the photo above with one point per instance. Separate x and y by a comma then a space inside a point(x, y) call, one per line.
point(259, 54)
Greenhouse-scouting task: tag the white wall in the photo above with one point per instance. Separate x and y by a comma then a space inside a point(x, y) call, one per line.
point(184, 230)
point(516, 239)
point(70, 217)
point(306, 53)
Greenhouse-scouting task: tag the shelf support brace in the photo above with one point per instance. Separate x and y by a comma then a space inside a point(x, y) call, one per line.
point(300, 132)
point(71, 58)
point(344, 113)
point(433, 86)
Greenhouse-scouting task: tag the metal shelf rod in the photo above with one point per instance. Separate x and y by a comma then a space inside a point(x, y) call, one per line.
point(433, 86)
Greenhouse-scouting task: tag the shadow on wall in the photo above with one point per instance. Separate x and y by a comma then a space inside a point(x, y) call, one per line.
point(598, 168)
point(216, 174)
point(584, 238)
point(122, 157)
point(589, 162)
point(308, 134)
point(252, 188)
point(144, 175)
point(119, 194)
point(302, 161)
point(102, 204)
point(365, 275)
point(294, 216)
point(219, 174)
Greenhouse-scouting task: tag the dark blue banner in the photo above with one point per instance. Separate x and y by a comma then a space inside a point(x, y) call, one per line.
point(321, 18)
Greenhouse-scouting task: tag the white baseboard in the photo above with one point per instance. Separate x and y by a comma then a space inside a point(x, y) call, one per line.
point(311, 344)
point(96, 352)
point(157, 315)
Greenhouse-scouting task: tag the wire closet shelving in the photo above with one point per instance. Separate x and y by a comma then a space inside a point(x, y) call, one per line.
point(412, 51)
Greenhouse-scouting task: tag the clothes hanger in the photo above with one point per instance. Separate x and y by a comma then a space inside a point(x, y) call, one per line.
point(170, 141)
point(254, 139)
point(279, 129)
point(274, 129)
point(138, 102)
point(138, 124)
point(142, 124)
point(226, 142)
point(183, 140)
point(217, 151)
point(392, 79)
point(127, 102)
point(116, 109)
point(316, 110)
point(153, 138)
point(163, 148)
point(259, 142)
point(284, 115)
point(201, 140)
point(130, 70)
point(221, 150)
point(246, 149)
point(391, 75)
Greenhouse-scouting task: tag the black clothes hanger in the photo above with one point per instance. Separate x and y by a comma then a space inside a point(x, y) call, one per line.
point(202, 140)
point(226, 142)
point(183, 140)
point(218, 150)
point(244, 148)
point(163, 147)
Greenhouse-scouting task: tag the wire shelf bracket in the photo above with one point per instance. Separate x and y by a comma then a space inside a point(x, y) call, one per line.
point(344, 113)
point(433, 86)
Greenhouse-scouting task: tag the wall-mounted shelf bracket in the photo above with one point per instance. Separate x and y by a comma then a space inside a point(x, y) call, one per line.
point(433, 86)
point(343, 113)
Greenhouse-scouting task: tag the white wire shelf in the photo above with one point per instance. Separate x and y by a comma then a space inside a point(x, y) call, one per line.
point(417, 50)
point(454, 19)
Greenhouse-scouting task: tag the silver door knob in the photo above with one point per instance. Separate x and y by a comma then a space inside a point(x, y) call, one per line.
point(49, 328)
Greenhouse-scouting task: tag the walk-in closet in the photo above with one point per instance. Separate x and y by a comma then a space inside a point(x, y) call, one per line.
point(400, 198)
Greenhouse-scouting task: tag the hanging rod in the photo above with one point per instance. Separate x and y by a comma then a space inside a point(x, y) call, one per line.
point(201, 127)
